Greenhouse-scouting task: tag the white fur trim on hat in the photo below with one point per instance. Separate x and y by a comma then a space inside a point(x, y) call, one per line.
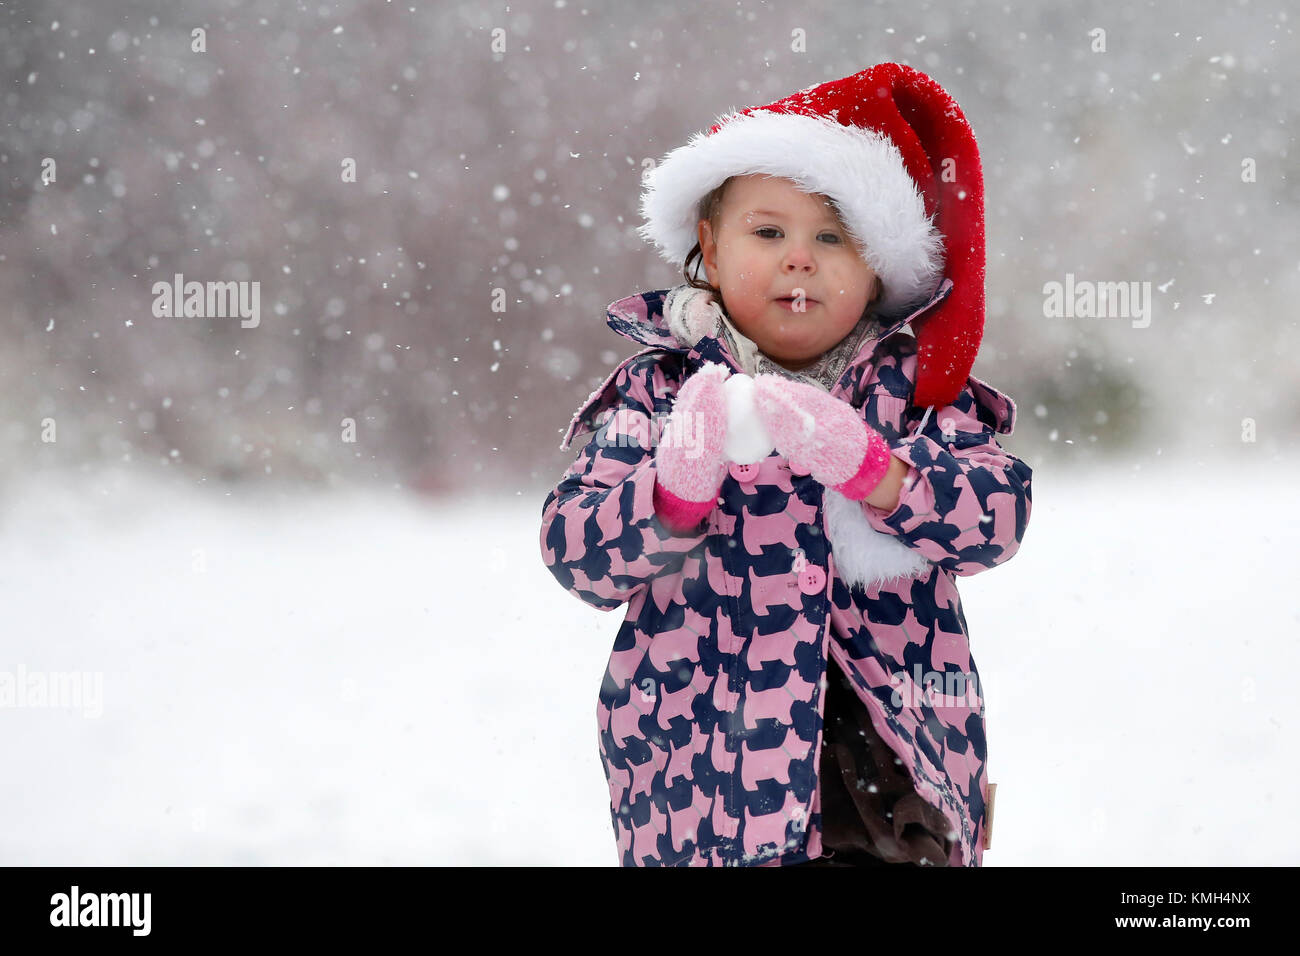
point(860, 169)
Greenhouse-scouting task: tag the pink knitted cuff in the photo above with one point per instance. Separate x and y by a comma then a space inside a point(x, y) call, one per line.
point(677, 514)
point(875, 463)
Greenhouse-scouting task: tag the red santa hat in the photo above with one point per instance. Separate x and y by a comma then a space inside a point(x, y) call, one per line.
point(896, 154)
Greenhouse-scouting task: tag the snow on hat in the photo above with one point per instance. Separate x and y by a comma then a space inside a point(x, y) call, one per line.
point(894, 151)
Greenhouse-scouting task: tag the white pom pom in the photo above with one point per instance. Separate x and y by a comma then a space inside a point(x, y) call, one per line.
point(747, 440)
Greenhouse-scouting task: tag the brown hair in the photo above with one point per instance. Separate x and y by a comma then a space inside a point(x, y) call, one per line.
point(710, 208)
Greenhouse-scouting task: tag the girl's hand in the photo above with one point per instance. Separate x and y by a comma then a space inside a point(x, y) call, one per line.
point(821, 435)
point(689, 462)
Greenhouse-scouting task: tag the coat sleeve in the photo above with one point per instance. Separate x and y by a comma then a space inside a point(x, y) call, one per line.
point(965, 501)
point(600, 536)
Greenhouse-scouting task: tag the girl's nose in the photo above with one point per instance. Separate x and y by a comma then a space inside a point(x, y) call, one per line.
point(800, 261)
point(798, 256)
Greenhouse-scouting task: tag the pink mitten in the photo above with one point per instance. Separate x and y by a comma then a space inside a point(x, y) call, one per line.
point(821, 435)
point(689, 464)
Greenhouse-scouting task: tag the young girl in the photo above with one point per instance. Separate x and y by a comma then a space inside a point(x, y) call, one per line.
point(783, 488)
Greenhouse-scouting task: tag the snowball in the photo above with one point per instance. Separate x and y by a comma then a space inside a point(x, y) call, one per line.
point(747, 440)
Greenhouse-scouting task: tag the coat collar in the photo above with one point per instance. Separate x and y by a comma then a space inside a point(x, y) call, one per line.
point(640, 317)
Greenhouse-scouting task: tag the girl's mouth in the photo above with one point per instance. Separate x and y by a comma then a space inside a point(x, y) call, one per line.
point(789, 303)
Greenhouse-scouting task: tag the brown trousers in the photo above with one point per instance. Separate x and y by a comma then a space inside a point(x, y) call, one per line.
point(871, 812)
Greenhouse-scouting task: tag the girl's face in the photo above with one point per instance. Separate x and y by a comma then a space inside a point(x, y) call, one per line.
point(775, 241)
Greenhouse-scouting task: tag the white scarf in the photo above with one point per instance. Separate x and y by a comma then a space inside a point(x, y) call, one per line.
point(694, 313)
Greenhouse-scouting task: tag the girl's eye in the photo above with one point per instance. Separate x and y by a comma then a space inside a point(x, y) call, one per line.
point(759, 232)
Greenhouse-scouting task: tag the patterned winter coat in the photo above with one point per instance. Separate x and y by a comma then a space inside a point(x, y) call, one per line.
point(710, 711)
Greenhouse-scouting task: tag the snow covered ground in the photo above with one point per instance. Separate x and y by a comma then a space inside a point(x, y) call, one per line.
point(338, 679)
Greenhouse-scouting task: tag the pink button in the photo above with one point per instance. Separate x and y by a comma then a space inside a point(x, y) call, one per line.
point(812, 580)
point(795, 469)
point(745, 474)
